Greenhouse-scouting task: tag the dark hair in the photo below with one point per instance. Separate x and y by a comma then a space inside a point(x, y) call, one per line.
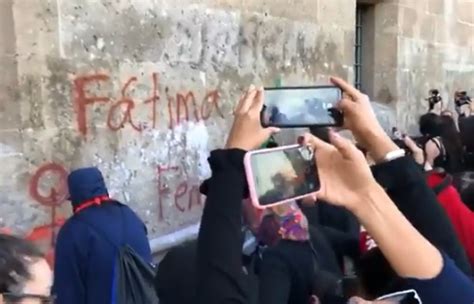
point(430, 125)
point(444, 127)
point(452, 143)
point(16, 255)
point(466, 128)
point(175, 279)
point(268, 230)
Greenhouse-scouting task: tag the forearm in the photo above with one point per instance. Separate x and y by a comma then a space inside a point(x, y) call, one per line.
point(219, 259)
point(407, 188)
point(409, 253)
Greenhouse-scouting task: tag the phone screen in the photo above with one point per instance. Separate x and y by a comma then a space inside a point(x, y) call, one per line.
point(302, 107)
point(283, 174)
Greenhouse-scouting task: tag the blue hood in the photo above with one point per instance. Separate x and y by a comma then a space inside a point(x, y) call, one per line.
point(85, 184)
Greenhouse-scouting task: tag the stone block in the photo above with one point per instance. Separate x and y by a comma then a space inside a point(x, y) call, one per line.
point(9, 105)
point(464, 34)
point(386, 50)
point(435, 6)
point(386, 18)
point(36, 27)
point(337, 12)
point(7, 28)
point(303, 10)
point(428, 27)
point(410, 20)
point(385, 86)
point(11, 143)
point(14, 175)
point(465, 11)
point(405, 3)
point(8, 74)
point(349, 45)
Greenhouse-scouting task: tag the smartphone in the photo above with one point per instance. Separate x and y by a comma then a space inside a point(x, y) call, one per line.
point(297, 107)
point(398, 139)
point(402, 297)
point(280, 175)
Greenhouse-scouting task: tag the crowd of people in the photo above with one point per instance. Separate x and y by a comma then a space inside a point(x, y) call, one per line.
point(393, 222)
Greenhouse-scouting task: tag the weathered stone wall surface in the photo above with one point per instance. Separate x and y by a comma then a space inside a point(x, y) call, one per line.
point(143, 90)
point(435, 50)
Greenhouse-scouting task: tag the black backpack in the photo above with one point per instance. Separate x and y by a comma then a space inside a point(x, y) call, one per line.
point(133, 281)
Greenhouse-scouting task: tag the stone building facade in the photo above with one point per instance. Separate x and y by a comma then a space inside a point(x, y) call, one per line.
point(145, 89)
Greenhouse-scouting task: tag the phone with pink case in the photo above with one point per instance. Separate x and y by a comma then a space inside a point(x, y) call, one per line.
point(280, 175)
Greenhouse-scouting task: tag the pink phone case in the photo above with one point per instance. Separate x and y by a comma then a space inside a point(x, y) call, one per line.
point(250, 178)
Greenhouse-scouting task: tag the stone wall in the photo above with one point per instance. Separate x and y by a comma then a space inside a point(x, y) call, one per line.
point(417, 46)
point(144, 90)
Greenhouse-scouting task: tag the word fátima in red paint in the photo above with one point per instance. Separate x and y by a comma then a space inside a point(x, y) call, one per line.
point(179, 106)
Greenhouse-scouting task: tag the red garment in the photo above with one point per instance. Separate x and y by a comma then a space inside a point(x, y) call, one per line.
point(460, 215)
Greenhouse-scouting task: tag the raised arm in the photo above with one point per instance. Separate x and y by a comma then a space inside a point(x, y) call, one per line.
point(220, 271)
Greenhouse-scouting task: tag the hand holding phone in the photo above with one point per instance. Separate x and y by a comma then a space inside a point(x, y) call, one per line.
point(247, 132)
point(296, 107)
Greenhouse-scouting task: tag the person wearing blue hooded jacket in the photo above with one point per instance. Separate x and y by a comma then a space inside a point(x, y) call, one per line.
point(88, 244)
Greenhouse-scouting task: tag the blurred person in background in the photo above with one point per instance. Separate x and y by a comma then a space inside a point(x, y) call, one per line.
point(25, 276)
point(443, 147)
point(460, 215)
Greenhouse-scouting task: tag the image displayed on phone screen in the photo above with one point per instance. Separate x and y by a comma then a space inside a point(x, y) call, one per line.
point(302, 107)
point(284, 174)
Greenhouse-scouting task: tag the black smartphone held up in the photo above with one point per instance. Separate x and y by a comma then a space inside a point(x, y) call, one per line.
point(298, 107)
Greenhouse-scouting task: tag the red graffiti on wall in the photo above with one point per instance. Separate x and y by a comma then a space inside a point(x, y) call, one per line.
point(179, 195)
point(56, 195)
point(179, 106)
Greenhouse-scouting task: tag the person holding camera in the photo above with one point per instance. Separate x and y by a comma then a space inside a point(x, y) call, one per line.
point(346, 180)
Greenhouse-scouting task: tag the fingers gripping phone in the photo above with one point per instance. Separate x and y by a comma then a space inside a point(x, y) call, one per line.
point(297, 107)
point(280, 175)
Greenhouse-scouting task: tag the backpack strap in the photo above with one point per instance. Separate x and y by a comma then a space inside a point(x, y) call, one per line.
point(443, 185)
point(80, 218)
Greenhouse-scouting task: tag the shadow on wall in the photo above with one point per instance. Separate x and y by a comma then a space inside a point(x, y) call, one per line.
point(385, 115)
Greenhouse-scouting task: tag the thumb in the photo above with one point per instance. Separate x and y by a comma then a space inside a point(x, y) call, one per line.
point(271, 130)
point(344, 146)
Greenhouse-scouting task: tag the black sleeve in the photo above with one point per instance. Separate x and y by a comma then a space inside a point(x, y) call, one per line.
point(274, 280)
point(220, 273)
point(343, 243)
point(407, 187)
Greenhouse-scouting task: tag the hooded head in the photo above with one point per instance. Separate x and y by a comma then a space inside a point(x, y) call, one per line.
point(85, 184)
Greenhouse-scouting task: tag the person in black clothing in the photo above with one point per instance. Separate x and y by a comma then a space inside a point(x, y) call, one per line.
point(340, 228)
point(175, 280)
point(219, 264)
point(443, 146)
point(292, 247)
